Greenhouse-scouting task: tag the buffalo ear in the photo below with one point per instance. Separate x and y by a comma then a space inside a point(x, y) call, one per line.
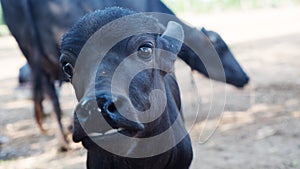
point(175, 34)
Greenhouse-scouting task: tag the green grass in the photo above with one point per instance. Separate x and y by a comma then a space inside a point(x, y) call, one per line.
point(3, 30)
point(3, 27)
point(6, 162)
point(1, 16)
point(180, 6)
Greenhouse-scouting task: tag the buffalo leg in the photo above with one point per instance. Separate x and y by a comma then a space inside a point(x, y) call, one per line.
point(38, 109)
point(51, 92)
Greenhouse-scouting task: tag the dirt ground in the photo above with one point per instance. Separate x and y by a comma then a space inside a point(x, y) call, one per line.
point(258, 129)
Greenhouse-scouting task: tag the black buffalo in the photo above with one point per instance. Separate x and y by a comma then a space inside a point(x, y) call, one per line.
point(38, 25)
point(125, 111)
point(233, 72)
point(39, 44)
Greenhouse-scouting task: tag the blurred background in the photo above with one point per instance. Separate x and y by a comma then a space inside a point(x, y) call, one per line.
point(259, 127)
point(204, 6)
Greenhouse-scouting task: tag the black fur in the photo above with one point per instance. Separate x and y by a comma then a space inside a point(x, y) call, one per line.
point(179, 156)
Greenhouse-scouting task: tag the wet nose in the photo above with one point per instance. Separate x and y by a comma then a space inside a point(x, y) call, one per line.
point(243, 83)
point(111, 106)
point(106, 103)
point(247, 80)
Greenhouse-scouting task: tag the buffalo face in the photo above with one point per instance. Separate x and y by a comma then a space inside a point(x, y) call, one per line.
point(126, 94)
point(234, 74)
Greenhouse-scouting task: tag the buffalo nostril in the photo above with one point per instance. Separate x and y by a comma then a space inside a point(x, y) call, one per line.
point(106, 103)
point(112, 108)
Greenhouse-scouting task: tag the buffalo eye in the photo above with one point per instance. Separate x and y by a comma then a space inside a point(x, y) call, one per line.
point(68, 69)
point(145, 51)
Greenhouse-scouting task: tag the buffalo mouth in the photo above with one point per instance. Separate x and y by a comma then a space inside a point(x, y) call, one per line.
point(93, 128)
point(112, 132)
point(93, 140)
point(109, 132)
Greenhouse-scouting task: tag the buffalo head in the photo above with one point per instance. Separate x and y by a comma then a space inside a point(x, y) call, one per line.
point(121, 66)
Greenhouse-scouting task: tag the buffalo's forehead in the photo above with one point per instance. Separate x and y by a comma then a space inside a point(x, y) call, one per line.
point(113, 22)
point(96, 33)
